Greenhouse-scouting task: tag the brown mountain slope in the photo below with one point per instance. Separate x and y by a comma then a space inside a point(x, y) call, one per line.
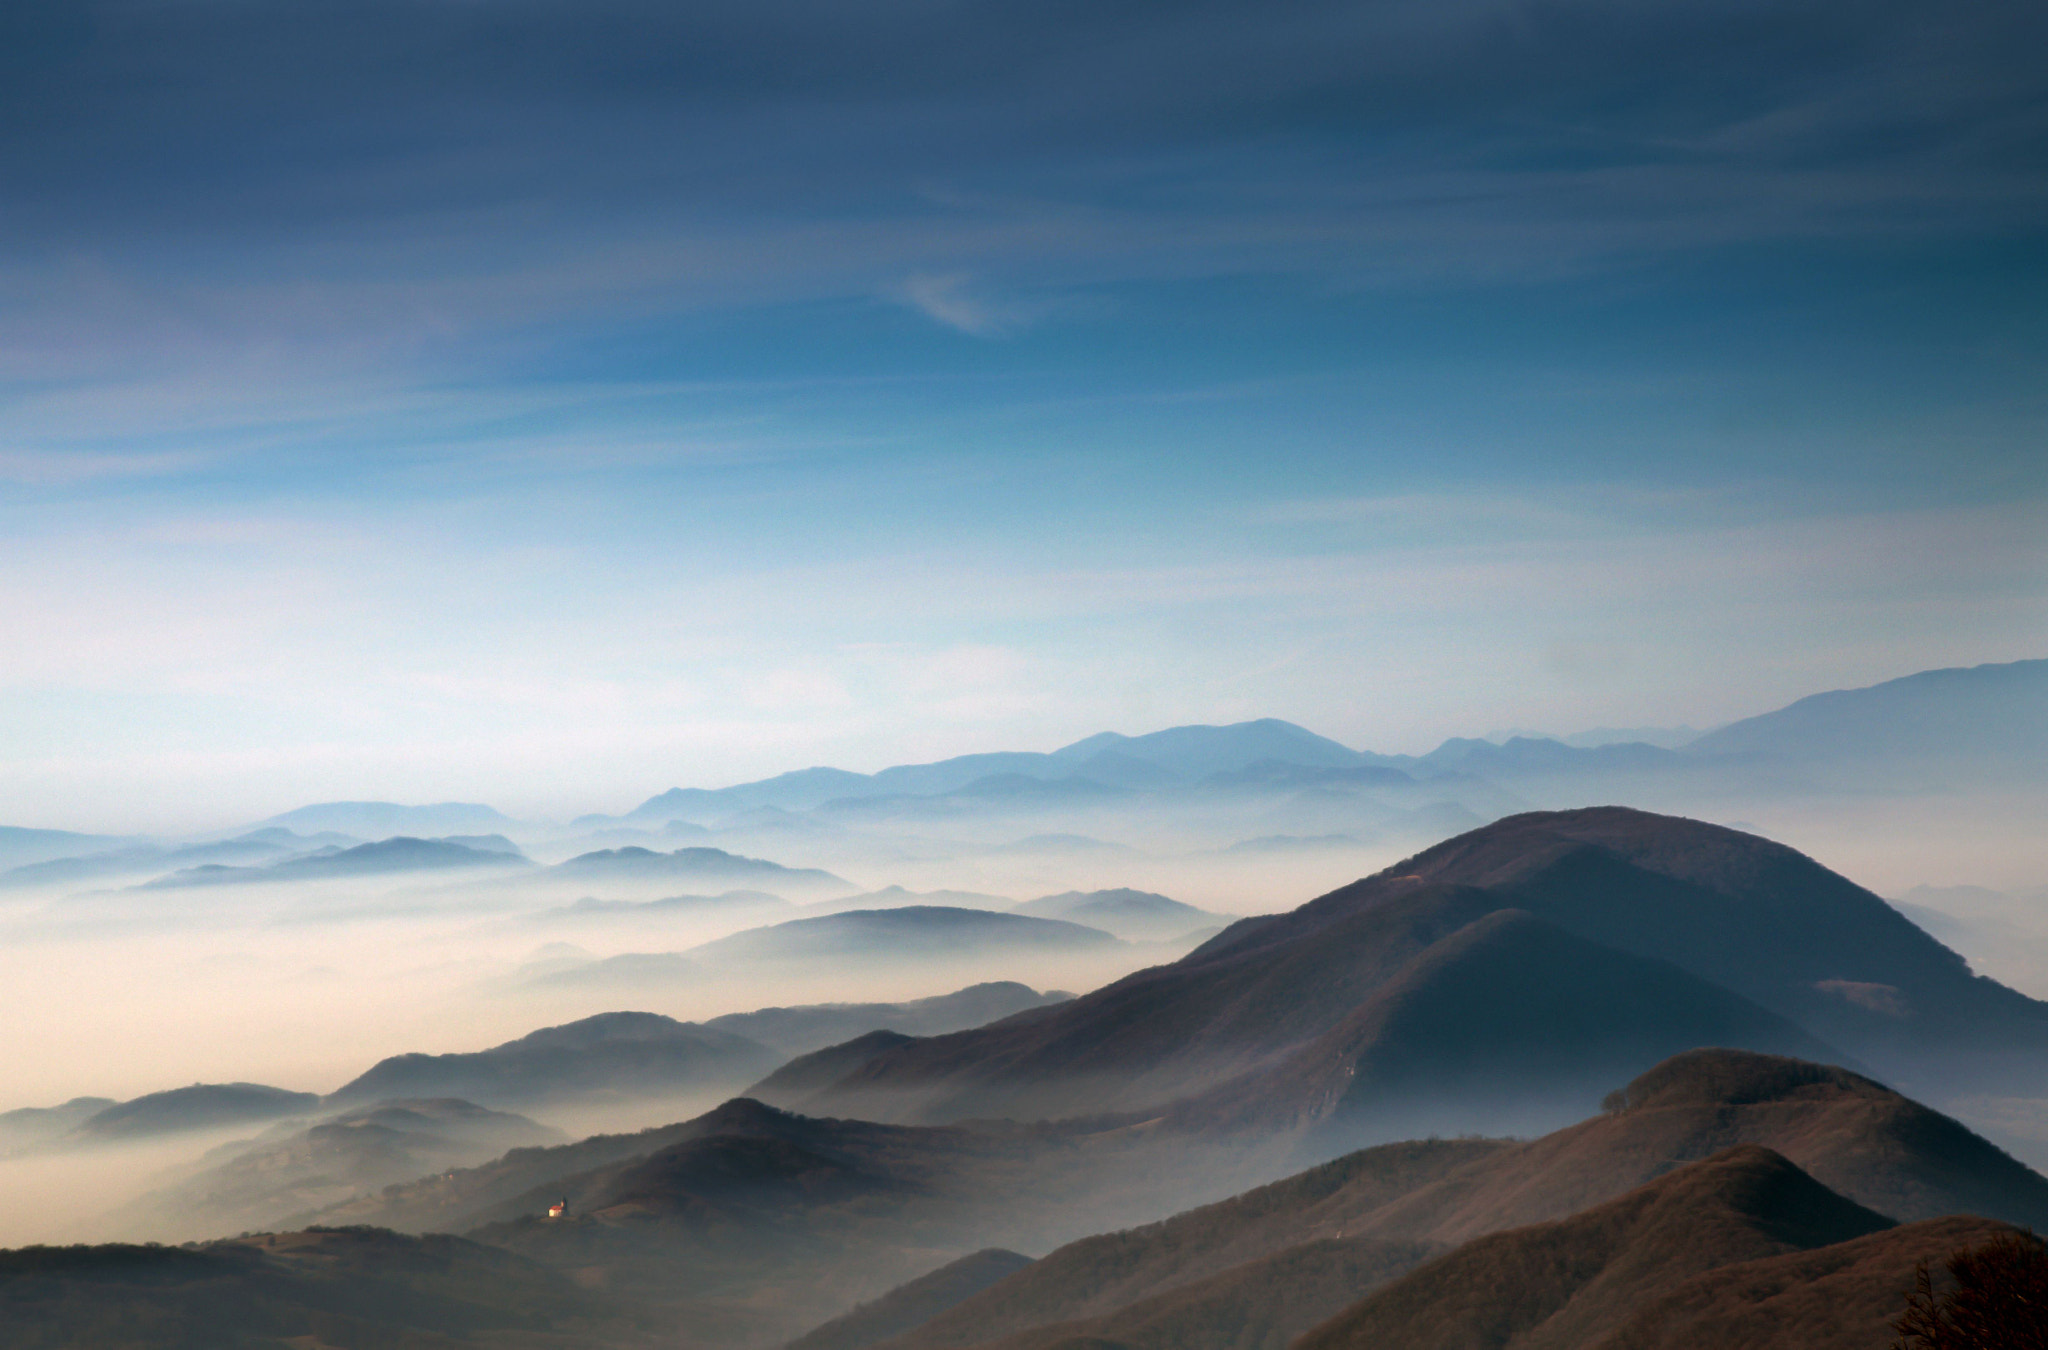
point(1842, 1297)
point(1855, 1136)
point(765, 1223)
point(1867, 1142)
point(1156, 1035)
point(909, 1306)
point(1751, 916)
point(1507, 1025)
point(820, 1069)
point(1261, 1305)
point(739, 1159)
point(1566, 1284)
point(1733, 908)
point(1097, 1276)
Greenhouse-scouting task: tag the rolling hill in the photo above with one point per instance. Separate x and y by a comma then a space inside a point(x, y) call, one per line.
point(610, 1056)
point(30, 1125)
point(1764, 923)
point(383, 819)
point(698, 866)
point(1507, 1024)
point(1744, 912)
point(1575, 1281)
point(289, 1172)
point(1956, 727)
point(784, 1221)
point(383, 858)
point(1841, 1297)
point(203, 1106)
point(895, 897)
point(1224, 1275)
point(807, 1027)
point(1097, 1277)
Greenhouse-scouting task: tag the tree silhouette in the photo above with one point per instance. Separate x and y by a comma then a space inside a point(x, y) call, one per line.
point(1995, 1298)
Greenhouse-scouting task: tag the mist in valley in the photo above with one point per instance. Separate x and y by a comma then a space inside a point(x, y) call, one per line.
point(133, 985)
point(979, 677)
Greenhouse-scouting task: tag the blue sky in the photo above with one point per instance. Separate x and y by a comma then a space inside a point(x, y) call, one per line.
point(550, 403)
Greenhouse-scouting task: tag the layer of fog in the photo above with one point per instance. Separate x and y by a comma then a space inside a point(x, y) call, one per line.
point(118, 992)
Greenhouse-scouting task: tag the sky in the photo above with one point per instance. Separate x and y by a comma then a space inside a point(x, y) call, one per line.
point(549, 403)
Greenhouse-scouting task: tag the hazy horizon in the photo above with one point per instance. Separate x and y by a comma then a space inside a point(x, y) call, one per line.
point(654, 397)
point(540, 406)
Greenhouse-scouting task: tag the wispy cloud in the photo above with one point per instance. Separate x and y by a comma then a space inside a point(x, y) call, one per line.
point(954, 300)
point(946, 300)
point(60, 468)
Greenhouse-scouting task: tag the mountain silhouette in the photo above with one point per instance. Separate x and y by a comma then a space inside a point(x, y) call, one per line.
point(199, 1107)
point(1250, 1269)
point(288, 1172)
point(703, 866)
point(895, 897)
point(20, 846)
point(802, 1029)
point(1733, 908)
point(1505, 1023)
point(383, 819)
point(785, 1222)
point(141, 858)
point(1805, 961)
point(1958, 726)
point(383, 858)
point(1178, 754)
point(30, 1125)
point(612, 1055)
point(1941, 728)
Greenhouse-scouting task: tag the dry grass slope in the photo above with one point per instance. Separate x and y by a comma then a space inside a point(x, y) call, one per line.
point(1565, 1285)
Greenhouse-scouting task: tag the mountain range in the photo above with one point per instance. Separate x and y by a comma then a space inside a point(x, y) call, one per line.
point(698, 866)
point(615, 1055)
point(202, 1106)
point(1756, 1157)
point(907, 935)
point(1452, 976)
point(1721, 1200)
point(143, 857)
point(1955, 731)
point(1942, 728)
point(1697, 1038)
point(384, 819)
point(623, 1055)
point(1708, 1159)
point(295, 1169)
point(401, 853)
point(1716, 1026)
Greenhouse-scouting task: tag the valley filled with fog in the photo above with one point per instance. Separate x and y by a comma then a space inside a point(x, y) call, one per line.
point(298, 952)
